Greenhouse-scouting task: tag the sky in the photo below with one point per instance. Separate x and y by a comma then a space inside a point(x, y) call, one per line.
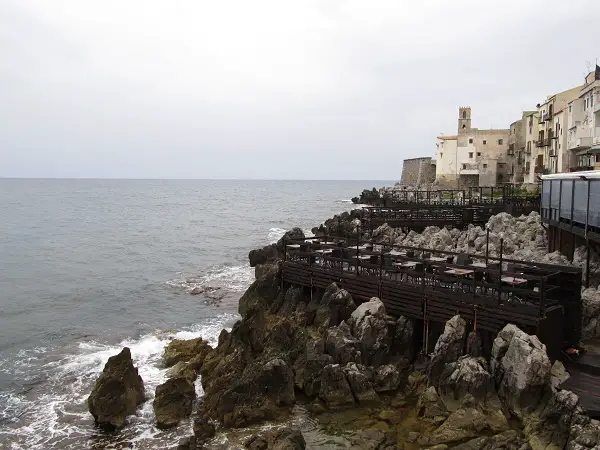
point(270, 89)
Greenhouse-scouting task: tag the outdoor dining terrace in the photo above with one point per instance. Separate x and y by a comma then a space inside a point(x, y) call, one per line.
point(434, 285)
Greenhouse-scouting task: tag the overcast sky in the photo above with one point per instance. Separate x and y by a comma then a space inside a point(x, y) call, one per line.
point(309, 89)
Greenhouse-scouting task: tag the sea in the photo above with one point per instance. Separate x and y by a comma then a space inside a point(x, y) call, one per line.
point(90, 266)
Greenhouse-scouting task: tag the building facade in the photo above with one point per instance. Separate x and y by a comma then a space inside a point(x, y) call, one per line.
point(472, 157)
point(583, 121)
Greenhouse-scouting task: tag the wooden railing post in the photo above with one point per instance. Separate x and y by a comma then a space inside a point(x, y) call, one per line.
point(542, 294)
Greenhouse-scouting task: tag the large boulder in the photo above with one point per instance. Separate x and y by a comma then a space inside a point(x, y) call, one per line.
point(341, 345)
point(448, 348)
point(430, 406)
point(277, 439)
point(358, 377)
point(402, 341)
point(334, 307)
point(173, 401)
point(117, 392)
point(387, 377)
point(590, 317)
point(523, 372)
point(468, 375)
point(507, 440)
point(468, 421)
point(309, 367)
point(263, 392)
point(369, 326)
point(203, 431)
point(335, 390)
point(270, 253)
point(179, 350)
point(263, 292)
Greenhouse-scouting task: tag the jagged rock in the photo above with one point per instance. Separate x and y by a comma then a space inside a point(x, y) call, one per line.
point(416, 384)
point(474, 346)
point(590, 320)
point(270, 253)
point(386, 378)
point(277, 439)
point(117, 392)
point(372, 439)
point(507, 440)
point(173, 401)
point(523, 372)
point(341, 345)
point(369, 325)
point(334, 307)
point(558, 374)
point(468, 375)
point(179, 350)
point(182, 369)
point(203, 430)
point(469, 421)
point(402, 343)
point(335, 389)
point(263, 292)
point(448, 348)
point(430, 406)
point(584, 436)
point(499, 348)
point(309, 367)
point(263, 392)
point(358, 378)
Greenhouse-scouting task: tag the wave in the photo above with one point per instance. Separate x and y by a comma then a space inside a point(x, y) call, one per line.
point(217, 281)
point(54, 413)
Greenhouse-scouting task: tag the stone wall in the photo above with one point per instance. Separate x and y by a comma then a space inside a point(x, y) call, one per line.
point(417, 171)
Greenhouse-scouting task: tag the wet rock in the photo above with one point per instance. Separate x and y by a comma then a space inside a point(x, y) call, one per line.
point(277, 439)
point(416, 384)
point(448, 348)
point(182, 369)
point(362, 389)
point(334, 307)
point(117, 392)
point(430, 406)
point(523, 372)
point(387, 378)
point(173, 401)
point(468, 375)
point(341, 345)
point(507, 440)
point(309, 367)
point(402, 343)
point(335, 390)
point(368, 325)
point(270, 253)
point(179, 350)
point(474, 345)
point(590, 299)
point(469, 421)
point(558, 374)
point(204, 431)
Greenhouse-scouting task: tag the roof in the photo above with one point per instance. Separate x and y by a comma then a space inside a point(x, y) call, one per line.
point(447, 137)
point(593, 174)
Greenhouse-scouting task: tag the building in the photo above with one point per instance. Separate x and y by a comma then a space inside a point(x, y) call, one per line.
point(472, 157)
point(517, 148)
point(418, 171)
point(583, 121)
point(553, 155)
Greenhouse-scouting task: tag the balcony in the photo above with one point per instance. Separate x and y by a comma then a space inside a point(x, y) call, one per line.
point(547, 117)
point(581, 168)
point(469, 169)
point(582, 143)
point(539, 143)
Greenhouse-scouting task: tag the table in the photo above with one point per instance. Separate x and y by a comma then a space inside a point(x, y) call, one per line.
point(406, 264)
point(293, 245)
point(437, 259)
point(479, 264)
point(459, 272)
point(328, 243)
point(514, 281)
point(396, 253)
point(324, 251)
point(363, 257)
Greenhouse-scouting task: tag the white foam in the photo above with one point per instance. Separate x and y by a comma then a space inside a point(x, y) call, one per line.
point(58, 416)
point(275, 234)
point(217, 279)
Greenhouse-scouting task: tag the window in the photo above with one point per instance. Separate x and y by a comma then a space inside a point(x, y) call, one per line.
point(499, 141)
point(470, 140)
point(484, 142)
point(441, 155)
point(485, 166)
point(464, 166)
point(585, 104)
point(591, 100)
point(501, 165)
point(570, 108)
point(464, 126)
point(470, 155)
point(478, 153)
point(464, 114)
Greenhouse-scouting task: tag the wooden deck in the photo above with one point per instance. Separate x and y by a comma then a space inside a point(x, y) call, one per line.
point(429, 285)
point(585, 377)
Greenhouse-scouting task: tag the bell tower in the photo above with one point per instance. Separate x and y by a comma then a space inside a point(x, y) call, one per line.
point(464, 119)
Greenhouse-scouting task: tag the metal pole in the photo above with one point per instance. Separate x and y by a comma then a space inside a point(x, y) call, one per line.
point(587, 266)
point(587, 212)
point(487, 245)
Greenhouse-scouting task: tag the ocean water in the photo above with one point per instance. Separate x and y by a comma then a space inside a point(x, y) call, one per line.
point(89, 266)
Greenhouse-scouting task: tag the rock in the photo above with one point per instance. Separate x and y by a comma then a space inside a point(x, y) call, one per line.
point(590, 314)
point(507, 440)
point(173, 401)
point(523, 372)
point(263, 255)
point(430, 406)
point(203, 431)
point(474, 346)
point(277, 439)
point(386, 378)
point(448, 348)
point(182, 369)
point(468, 375)
point(335, 390)
point(358, 378)
point(416, 384)
point(558, 374)
point(368, 325)
point(402, 343)
point(309, 367)
point(117, 392)
point(469, 421)
point(263, 392)
point(341, 345)
point(499, 348)
point(264, 291)
point(334, 307)
point(183, 350)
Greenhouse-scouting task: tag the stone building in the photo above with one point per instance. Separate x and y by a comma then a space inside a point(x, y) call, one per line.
point(472, 157)
point(418, 171)
point(517, 153)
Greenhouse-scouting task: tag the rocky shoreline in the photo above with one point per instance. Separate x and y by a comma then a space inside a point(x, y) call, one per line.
point(358, 371)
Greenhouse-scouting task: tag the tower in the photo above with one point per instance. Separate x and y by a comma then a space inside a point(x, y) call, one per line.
point(464, 119)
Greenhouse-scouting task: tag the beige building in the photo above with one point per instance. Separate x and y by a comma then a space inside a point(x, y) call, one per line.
point(521, 133)
point(583, 122)
point(472, 157)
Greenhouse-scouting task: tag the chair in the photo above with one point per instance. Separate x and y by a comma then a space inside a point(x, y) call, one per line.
point(463, 259)
point(426, 255)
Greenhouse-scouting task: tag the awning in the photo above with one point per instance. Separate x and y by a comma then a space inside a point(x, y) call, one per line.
point(590, 151)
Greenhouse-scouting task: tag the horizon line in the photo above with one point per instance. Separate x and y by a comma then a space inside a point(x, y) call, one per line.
point(189, 179)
